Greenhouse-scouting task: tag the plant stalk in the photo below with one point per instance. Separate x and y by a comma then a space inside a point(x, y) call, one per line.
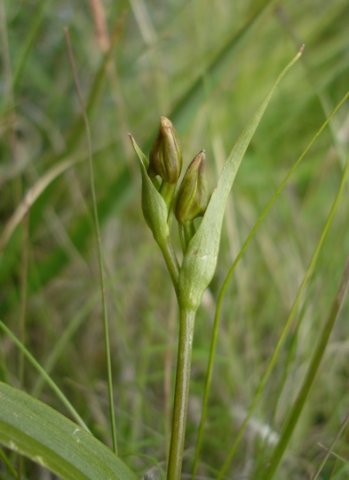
point(179, 418)
point(171, 262)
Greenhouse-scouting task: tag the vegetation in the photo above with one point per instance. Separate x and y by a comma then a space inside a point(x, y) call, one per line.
point(88, 313)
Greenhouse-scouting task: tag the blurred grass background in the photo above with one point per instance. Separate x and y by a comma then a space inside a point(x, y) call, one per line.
point(207, 65)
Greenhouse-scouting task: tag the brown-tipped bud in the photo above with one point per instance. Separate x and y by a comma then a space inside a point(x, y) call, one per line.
point(165, 157)
point(192, 196)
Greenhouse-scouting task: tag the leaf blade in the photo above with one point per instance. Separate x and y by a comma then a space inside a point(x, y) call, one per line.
point(37, 431)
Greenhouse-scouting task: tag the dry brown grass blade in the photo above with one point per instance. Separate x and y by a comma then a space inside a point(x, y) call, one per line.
point(99, 18)
point(30, 198)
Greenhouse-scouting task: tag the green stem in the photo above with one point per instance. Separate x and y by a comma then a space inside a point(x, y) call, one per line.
point(187, 233)
point(167, 190)
point(98, 246)
point(179, 419)
point(182, 237)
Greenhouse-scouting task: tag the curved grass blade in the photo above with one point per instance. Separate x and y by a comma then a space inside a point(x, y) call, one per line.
point(115, 196)
point(102, 281)
point(39, 432)
point(6, 461)
point(31, 197)
point(47, 378)
point(185, 108)
point(308, 381)
point(228, 278)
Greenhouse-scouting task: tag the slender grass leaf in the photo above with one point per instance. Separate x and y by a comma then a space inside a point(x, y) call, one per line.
point(184, 110)
point(30, 198)
point(28, 43)
point(44, 375)
point(7, 462)
point(330, 449)
point(102, 281)
point(313, 368)
point(58, 349)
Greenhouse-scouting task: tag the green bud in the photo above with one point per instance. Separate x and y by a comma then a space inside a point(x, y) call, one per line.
point(192, 196)
point(153, 205)
point(165, 157)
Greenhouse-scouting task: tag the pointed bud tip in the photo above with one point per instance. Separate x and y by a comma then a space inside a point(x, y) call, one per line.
point(166, 156)
point(165, 122)
point(198, 161)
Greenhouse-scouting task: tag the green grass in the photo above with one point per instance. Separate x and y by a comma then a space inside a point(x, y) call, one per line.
point(207, 65)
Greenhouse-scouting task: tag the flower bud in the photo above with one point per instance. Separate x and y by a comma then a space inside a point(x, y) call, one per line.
point(165, 157)
point(192, 196)
point(153, 205)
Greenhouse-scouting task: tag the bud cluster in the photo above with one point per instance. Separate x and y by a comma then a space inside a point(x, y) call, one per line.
point(166, 161)
point(166, 195)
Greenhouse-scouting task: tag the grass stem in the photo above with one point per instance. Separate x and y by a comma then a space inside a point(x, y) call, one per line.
point(99, 246)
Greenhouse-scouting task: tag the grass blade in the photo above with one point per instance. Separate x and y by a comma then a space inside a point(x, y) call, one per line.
point(6, 461)
point(317, 356)
point(185, 108)
point(37, 431)
point(28, 43)
point(98, 245)
point(31, 197)
point(58, 349)
point(43, 373)
point(330, 449)
point(297, 301)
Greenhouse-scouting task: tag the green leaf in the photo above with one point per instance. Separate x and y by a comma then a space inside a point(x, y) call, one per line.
point(200, 261)
point(39, 432)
